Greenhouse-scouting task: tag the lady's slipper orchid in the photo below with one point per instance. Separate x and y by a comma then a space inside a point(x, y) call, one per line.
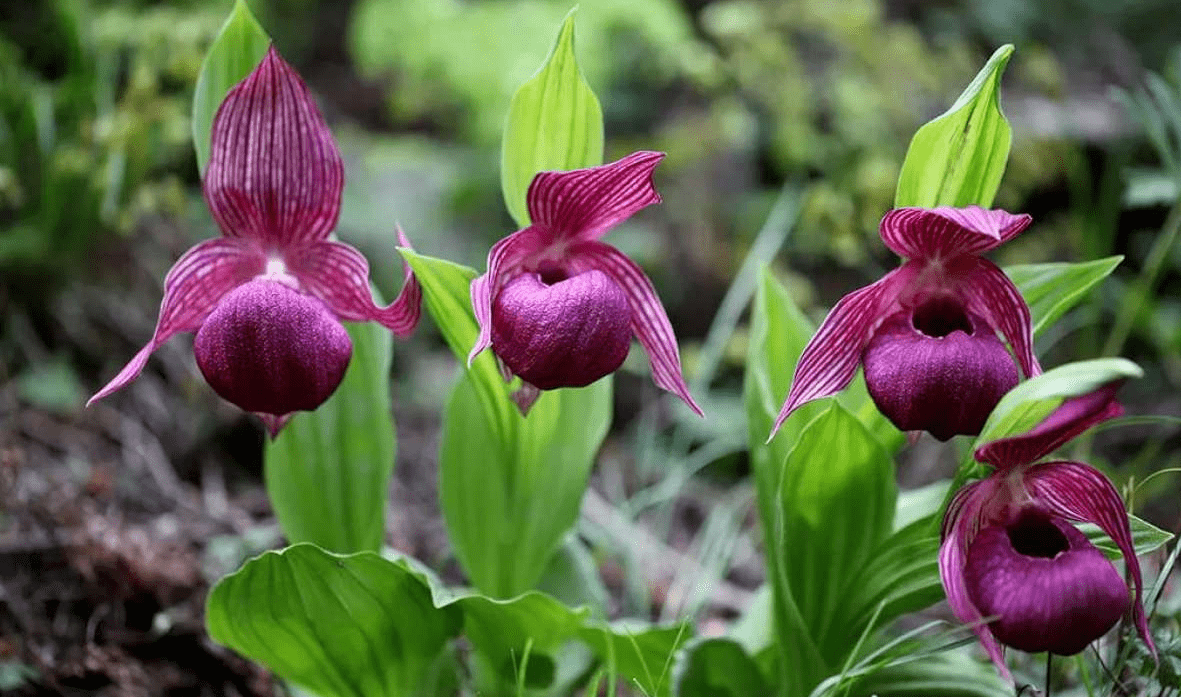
point(926, 333)
point(559, 307)
point(1012, 556)
point(267, 297)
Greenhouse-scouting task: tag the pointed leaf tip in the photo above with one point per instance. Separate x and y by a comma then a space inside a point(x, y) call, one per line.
point(237, 49)
point(554, 123)
point(958, 158)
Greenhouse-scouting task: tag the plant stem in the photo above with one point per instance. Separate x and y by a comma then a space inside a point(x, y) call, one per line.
point(1049, 665)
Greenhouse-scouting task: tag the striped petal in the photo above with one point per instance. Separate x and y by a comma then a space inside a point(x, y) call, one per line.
point(339, 275)
point(649, 320)
point(1079, 492)
point(941, 233)
point(193, 287)
point(1071, 418)
point(829, 361)
point(960, 525)
point(583, 204)
point(988, 292)
point(275, 174)
point(504, 260)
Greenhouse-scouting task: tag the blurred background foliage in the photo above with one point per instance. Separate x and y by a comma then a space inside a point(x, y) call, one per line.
point(747, 97)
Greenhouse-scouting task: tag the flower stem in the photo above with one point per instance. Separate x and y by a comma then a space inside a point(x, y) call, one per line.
point(1049, 665)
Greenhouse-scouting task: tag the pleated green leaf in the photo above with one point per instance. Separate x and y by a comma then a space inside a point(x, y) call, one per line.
point(510, 486)
point(958, 158)
point(328, 472)
point(1051, 290)
point(340, 626)
point(237, 50)
point(554, 123)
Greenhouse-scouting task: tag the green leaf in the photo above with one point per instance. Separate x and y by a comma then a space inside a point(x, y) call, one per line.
point(1031, 401)
point(237, 50)
point(958, 158)
point(504, 630)
point(1146, 537)
point(327, 474)
point(354, 625)
point(554, 123)
point(1051, 290)
point(945, 674)
point(510, 487)
point(718, 668)
point(641, 652)
point(509, 498)
point(836, 497)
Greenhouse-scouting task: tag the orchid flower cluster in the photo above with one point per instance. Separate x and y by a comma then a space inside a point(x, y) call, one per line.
point(940, 339)
point(928, 336)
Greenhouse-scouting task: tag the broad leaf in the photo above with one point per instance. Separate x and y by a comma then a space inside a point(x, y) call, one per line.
point(339, 626)
point(958, 158)
point(327, 474)
point(835, 505)
point(509, 499)
point(504, 631)
point(1051, 290)
point(237, 50)
point(1031, 401)
point(554, 123)
point(718, 668)
point(510, 486)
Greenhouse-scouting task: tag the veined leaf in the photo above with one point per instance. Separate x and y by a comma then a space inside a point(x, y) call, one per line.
point(958, 158)
point(327, 473)
point(237, 50)
point(638, 651)
point(510, 486)
point(1051, 290)
point(554, 123)
point(340, 626)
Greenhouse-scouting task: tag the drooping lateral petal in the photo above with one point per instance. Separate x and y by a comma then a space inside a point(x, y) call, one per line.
point(1080, 492)
point(504, 259)
point(274, 174)
point(583, 204)
point(1071, 418)
point(193, 287)
point(959, 526)
point(988, 292)
point(339, 275)
point(649, 320)
point(831, 357)
point(945, 232)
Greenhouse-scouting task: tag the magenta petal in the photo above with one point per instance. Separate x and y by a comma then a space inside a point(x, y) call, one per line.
point(339, 275)
point(504, 261)
point(648, 318)
point(568, 334)
point(1071, 418)
point(1049, 588)
point(193, 287)
point(943, 233)
point(270, 349)
point(988, 292)
point(831, 357)
point(1080, 492)
point(275, 174)
point(583, 204)
point(959, 528)
point(945, 381)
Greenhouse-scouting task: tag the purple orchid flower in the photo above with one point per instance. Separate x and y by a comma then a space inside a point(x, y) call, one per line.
point(926, 333)
point(559, 307)
point(266, 298)
point(1011, 552)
